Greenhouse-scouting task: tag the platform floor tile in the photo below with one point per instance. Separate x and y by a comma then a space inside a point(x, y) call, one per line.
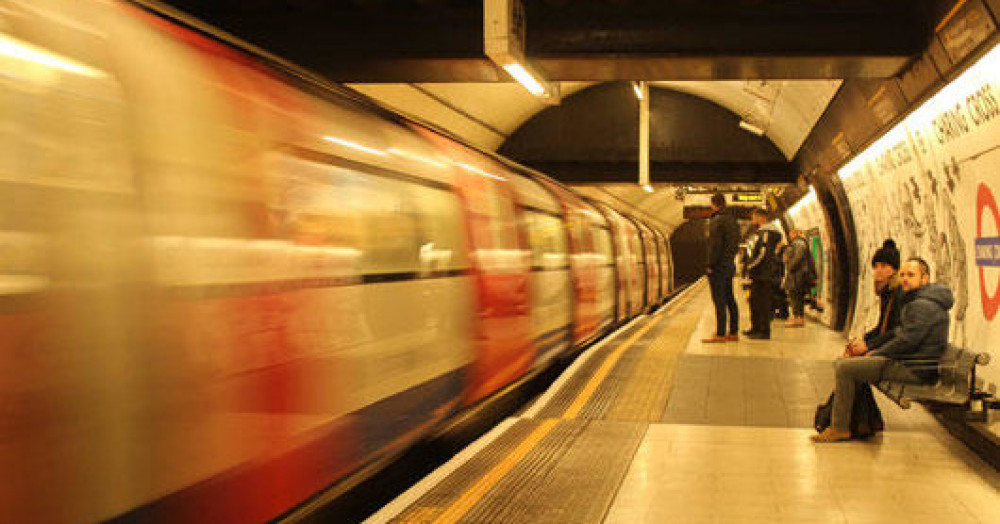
point(701, 473)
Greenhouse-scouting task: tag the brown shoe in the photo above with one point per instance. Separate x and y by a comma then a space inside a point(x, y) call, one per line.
point(831, 435)
point(713, 340)
point(732, 337)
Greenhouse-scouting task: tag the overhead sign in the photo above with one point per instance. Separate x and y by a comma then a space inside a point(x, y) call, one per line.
point(748, 197)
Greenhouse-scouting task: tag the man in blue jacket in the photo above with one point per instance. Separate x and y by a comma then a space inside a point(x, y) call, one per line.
point(909, 356)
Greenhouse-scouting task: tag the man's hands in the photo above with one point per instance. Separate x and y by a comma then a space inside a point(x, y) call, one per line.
point(856, 348)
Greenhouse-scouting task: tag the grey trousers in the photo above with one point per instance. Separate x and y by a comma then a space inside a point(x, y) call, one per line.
point(850, 371)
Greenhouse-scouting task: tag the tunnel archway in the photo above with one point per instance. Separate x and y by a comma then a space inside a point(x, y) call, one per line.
point(592, 136)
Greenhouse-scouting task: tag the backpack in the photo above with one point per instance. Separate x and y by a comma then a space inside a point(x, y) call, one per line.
point(866, 417)
point(811, 276)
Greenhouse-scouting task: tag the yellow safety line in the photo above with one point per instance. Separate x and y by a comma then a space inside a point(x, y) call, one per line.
point(474, 494)
point(588, 391)
point(463, 504)
point(595, 381)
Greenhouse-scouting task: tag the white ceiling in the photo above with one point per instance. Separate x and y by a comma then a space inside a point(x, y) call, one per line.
point(786, 109)
point(484, 114)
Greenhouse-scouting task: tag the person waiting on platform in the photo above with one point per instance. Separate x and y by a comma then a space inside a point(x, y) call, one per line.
point(797, 276)
point(885, 268)
point(760, 268)
point(910, 355)
point(778, 296)
point(723, 243)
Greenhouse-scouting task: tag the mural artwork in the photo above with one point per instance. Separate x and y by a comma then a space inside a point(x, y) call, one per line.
point(928, 184)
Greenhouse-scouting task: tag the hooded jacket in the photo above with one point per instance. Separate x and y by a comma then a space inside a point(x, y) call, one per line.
point(760, 265)
point(723, 242)
point(797, 268)
point(922, 335)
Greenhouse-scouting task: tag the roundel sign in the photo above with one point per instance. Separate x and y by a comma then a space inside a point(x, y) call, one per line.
point(987, 249)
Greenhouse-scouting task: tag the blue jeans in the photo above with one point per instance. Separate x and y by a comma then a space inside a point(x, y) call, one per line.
point(722, 296)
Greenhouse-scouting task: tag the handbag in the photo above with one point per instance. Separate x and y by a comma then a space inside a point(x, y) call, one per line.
point(866, 417)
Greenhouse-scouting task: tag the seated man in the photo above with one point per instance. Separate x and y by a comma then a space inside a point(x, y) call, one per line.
point(910, 355)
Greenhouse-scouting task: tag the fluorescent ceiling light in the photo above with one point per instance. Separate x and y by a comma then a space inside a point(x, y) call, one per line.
point(637, 89)
point(747, 126)
point(525, 79)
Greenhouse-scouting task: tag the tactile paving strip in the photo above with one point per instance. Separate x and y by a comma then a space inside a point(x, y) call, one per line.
point(566, 464)
point(639, 384)
point(571, 475)
point(571, 389)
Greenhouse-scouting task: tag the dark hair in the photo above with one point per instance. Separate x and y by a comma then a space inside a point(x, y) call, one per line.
point(925, 269)
point(759, 211)
point(719, 200)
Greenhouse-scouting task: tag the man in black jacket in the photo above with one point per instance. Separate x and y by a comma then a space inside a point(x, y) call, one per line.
point(760, 268)
point(723, 242)
point(910, 355)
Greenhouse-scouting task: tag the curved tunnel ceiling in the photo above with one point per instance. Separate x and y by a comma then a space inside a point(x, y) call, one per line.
point(487, 114)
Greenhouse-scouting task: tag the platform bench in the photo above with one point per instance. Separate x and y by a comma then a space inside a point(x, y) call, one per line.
point(956, 384)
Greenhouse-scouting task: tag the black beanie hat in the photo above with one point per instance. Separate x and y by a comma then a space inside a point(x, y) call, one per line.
point(887, 254)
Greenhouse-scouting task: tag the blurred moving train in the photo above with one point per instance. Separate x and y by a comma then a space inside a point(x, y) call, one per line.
point(225, 286)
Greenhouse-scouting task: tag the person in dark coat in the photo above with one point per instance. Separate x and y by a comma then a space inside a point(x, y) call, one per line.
point(797, 275)
point(760, 269)
point(723, 242)
point(910, 355)
point(885, 268)
point(779, 298)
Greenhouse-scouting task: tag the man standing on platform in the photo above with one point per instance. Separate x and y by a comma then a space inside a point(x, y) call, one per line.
point(723, 242)
point(760, 268)
point(797, 276)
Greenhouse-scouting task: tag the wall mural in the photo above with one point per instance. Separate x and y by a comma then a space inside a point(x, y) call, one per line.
point(929, 184)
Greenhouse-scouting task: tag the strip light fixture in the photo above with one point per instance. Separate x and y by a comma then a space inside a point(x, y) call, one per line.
point(747, 126)
point(503, 42)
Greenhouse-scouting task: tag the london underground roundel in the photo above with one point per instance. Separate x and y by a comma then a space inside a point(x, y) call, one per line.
point(987, 249)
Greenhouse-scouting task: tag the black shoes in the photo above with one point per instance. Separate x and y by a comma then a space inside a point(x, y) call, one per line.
point(757, 335)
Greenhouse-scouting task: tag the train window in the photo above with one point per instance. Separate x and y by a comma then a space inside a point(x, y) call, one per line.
point(602, 244)
point(444, 245)
point(547, 240)
point(371, 221)
point(493, 227)
point(578, 225)
point(64, 120)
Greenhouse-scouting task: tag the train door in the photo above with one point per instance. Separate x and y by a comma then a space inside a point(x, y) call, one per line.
point(551, 287)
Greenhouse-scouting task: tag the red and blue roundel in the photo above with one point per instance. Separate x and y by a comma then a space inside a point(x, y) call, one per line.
point(987, 249)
